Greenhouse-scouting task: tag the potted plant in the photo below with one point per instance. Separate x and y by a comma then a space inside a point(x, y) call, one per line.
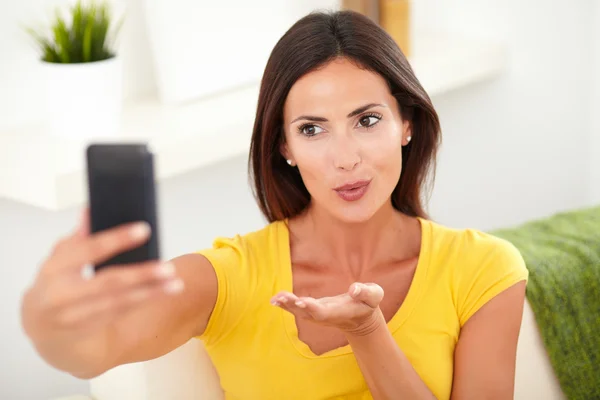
point(82, 72)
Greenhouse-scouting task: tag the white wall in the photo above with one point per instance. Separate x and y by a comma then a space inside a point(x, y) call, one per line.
point(517, 148)
point(595, 108)
point(514, 149)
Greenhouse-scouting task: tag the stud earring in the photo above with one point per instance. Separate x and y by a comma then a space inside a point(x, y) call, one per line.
point(408, 138)
point(289, 162)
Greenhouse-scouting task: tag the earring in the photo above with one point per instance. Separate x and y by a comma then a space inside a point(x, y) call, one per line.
point(408, 138)
point(289, 162)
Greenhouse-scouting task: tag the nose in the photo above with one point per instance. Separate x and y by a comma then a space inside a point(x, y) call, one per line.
point(346, 154)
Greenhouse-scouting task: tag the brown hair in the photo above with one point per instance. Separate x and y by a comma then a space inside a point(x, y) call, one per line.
point(311, 43)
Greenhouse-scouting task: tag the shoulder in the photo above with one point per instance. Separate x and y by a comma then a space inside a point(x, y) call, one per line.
point(247, 261)
point(473, 247)
point(479, 265)
point(245, 266)
point(258, 238)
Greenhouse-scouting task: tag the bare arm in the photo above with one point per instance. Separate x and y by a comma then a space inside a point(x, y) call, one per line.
point(147, 331)
point(124, 314)
point(167, 322)
point(385, 367)
point(484, 365)
point(485, 356)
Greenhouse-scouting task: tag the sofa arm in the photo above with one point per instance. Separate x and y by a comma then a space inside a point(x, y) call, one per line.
point(535, 378)
point(185, 373)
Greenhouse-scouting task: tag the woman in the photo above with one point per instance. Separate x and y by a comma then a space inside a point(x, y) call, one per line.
point(349, 292)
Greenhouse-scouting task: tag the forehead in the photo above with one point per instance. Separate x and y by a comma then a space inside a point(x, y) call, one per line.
point(339, 85)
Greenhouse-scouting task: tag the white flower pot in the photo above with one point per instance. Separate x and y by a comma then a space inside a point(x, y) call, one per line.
point(84, 100)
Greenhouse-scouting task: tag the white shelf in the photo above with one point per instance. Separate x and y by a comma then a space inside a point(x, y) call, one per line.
point(74, 397)
point(47, 172)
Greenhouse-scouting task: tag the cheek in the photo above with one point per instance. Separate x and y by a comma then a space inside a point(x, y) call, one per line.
point(385, 157)
point(385, 151)
point(390, 153)
point(312, 160)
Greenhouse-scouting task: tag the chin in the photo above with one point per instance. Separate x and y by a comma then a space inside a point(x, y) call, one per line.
point(355, 213)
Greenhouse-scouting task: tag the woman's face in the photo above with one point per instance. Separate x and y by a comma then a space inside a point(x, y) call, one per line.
point(344, 133)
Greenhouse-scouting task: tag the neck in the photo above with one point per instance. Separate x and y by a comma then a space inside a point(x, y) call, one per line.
point(357, 247)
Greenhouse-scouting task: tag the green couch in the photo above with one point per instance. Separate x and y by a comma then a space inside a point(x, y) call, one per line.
point(562, 253)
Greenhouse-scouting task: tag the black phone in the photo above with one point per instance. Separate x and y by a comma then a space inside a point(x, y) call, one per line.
point(121, 189)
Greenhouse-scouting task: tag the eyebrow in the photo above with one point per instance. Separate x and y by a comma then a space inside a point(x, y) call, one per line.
point(352, 114)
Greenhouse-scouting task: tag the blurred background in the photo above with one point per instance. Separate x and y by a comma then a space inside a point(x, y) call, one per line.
point(516, 85)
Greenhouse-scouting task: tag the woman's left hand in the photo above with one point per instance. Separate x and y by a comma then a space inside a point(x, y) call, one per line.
point(355, 312)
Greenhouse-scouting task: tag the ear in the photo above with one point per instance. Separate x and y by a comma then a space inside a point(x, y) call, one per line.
point(285, 152)
point(406, 132)
point(283, 149)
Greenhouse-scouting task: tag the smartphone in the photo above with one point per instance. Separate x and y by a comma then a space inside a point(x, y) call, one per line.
point(121, 189)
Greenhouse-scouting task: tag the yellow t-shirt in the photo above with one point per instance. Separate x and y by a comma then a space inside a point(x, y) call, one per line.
point(255, 346)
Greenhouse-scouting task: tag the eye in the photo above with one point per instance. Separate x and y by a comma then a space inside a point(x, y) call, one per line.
point(309, 129)
point(368, 121)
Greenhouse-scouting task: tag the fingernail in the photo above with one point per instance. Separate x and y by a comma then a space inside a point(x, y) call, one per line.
point(140, 230)
point(175, 286)
point(165, 270)
point(300, 304)
point(274, 302)
point(356, 290)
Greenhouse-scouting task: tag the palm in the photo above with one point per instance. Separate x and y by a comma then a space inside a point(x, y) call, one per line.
point(346, 311)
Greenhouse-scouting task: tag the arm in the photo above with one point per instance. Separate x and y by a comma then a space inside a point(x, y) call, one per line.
point(149, 330)
point(484, 366)
point(485, 356)
point(386, 369)
point(168, 322)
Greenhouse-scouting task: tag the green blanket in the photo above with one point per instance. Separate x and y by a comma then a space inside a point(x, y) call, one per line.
point(562, 253)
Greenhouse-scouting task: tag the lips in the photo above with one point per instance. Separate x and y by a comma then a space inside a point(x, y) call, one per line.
point(353, 191)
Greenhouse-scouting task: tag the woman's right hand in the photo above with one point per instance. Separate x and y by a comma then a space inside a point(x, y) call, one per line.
point(62, 305)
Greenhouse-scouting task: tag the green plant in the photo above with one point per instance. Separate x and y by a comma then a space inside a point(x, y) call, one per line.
point(86, 34)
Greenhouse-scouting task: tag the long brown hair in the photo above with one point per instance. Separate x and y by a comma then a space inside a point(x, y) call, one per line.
point(310, 43)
